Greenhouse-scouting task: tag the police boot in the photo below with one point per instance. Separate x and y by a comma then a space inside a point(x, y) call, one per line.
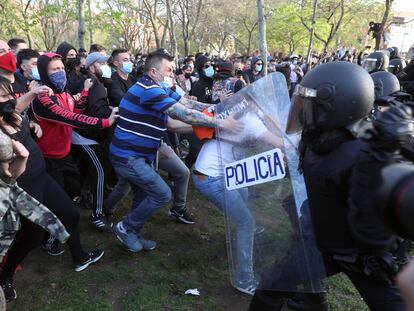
point(308, 302)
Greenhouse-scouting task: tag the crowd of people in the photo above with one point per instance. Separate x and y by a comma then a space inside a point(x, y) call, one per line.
point(85, 128)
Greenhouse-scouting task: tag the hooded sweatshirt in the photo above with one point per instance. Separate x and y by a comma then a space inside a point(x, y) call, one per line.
point(63, 49)
point(58, 114)
point(203, 87)
point(248, 75)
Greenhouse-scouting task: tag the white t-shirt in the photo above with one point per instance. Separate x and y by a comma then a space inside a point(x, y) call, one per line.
point(213, 155)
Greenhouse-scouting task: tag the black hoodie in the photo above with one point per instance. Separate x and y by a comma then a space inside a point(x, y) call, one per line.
point(64, 48)
point(202, 89)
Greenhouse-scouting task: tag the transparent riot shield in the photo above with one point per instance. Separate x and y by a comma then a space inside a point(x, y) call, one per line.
point(270, 239)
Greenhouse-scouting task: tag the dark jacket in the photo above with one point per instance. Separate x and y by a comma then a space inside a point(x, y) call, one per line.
point(202, 89)
point(327, 171)
point(97, 106)
point(248, 75)
point(118, 88)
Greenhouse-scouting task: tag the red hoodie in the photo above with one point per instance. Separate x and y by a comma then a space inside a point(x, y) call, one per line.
point(55, 115)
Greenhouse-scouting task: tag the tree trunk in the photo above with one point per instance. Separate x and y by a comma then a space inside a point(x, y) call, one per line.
point(249, 44)
point(90, 24)
point(380, 35)
point(262, 35)
point(81, 24)
point(173, 40)
point(312, 32)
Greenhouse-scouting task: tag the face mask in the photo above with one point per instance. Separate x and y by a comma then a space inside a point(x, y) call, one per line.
point(8, 62)
point(70, 64)
point(58, 80)
point(295, 62)
point(127, 67)
point(35, 74)
point(187, 75)
point(209, 72)
point(191, 65)
point(258, 68)
point(83, 70)
point(7, 110)
point(167, 83)
point(106, 72)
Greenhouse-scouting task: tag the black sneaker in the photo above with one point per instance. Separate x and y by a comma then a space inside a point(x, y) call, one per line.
point(93, 257)
point(101, 222)
point(54, 249)
point(8, 290)
point(181, 215)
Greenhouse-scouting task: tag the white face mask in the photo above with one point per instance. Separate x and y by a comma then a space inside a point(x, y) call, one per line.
point(106, 71)
point(167, 83)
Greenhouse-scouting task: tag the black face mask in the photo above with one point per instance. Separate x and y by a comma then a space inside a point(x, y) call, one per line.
point(7, 110)
point(187, 75)
point(71, 64)
point(83, 71)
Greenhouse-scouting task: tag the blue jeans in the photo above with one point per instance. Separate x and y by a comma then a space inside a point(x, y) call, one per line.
point(233, 204)
point(150, 192)
point(168, 162)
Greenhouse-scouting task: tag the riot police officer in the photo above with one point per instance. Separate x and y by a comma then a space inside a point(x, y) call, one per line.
point(376, 61)
point(333, 101)
point(406, 75)
point(396, 65)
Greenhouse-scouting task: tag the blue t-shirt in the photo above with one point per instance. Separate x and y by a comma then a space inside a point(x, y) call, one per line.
point(142, 120)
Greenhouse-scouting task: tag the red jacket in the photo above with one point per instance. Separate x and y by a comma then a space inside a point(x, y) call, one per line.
point(57, 115)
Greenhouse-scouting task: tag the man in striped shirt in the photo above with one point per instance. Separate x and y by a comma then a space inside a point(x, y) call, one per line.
point(144, 113)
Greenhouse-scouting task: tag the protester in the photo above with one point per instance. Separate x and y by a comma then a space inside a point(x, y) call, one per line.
point(203, 91)
point(296, 73)
point(16, 45)
point(37, 183)
point(225, 84)
point(8, 70)
point(137, 138)
point(255, 71)
point(86, 143)
point(122, 79)
point(69, 54)
point(27, 66)
point(186, 80)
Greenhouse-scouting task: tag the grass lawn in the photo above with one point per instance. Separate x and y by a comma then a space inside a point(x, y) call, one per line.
point(186, 257)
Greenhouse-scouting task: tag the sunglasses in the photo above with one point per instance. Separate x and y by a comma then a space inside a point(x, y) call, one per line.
point(206, 66)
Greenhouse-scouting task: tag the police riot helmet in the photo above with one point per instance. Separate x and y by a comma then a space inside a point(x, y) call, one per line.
point(385, 83)
point(331, 96)
point(377, 61)
point(410, 53)
point(394, 52)
point(396, 65)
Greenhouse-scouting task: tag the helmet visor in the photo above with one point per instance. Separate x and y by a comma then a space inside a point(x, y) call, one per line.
point(394, 69)
point(302, 109)
point(370, 64)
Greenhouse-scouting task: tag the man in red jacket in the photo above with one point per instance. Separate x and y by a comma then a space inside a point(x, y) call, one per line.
point(57, 115)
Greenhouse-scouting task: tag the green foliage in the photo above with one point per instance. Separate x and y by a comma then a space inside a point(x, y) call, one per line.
point(215, 28)
point(285, 30)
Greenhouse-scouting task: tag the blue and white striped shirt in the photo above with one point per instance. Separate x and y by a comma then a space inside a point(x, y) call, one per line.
point(142, 120)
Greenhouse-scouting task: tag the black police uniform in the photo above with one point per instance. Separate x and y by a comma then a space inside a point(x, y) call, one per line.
point(335, 97)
